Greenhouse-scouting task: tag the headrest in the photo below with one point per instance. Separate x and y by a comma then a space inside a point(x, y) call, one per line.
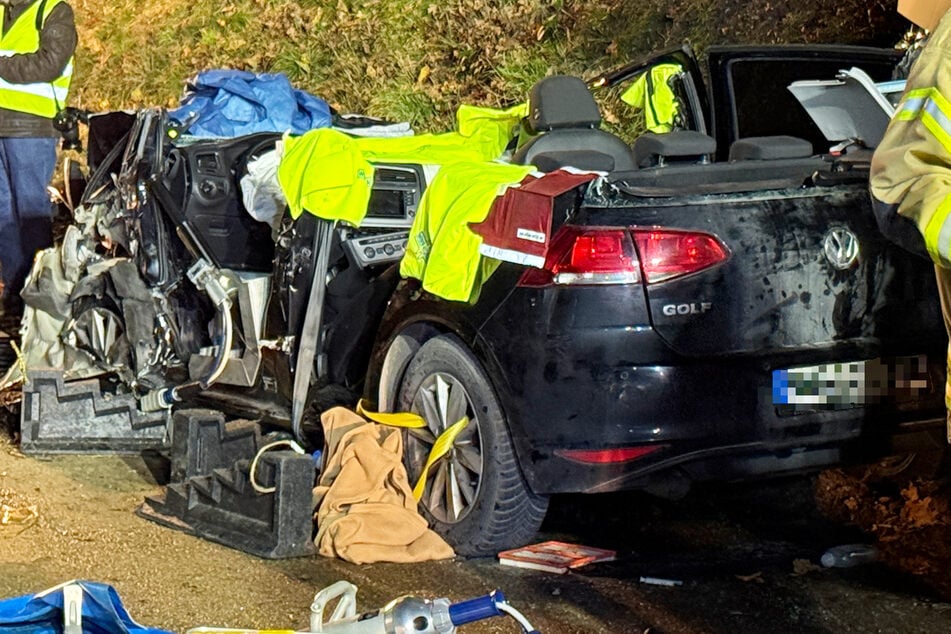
point(766, 148)
point(591, 160)
point(656, 149)
point(561, 101)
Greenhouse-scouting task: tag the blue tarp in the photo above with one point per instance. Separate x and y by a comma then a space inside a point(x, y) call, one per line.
point(229, 103)
point(42, 613)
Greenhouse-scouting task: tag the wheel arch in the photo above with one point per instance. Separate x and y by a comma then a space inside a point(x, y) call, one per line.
point(397, 350)
point(399, 353)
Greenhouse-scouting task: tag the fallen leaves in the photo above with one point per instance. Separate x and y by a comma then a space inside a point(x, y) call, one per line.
point(18, 515)
point(423, 75)
point(923, 511)
point(483, 52)
point(910, 521)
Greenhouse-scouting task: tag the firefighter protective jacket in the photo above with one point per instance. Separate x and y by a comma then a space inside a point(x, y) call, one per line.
point(36, 47)
point(911, 168)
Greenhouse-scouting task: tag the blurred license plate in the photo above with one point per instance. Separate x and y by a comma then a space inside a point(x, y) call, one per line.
point(852, 384)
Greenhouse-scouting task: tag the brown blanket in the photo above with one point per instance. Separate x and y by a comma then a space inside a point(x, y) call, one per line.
point(365, 507)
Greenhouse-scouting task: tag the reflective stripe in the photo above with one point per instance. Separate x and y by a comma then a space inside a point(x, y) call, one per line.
point(41, 100)
point(947, 387)
point(938, 233)
point(934, 111)
point(47, 91)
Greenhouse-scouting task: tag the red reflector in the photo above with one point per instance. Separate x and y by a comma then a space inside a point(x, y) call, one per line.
point(584, 255)
point(606, 456)
point(666, 254)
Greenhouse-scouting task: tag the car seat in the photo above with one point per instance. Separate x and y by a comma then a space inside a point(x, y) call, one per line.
point(769, 148)
point(563, 122)
point(679, 146)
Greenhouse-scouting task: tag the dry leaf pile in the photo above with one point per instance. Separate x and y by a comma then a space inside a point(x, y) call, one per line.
point(910, 521)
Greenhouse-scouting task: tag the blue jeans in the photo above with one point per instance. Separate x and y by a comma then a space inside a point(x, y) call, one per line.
point(26, 213)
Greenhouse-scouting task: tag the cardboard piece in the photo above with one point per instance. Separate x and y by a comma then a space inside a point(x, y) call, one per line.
point(924, 13)
point(555, 556)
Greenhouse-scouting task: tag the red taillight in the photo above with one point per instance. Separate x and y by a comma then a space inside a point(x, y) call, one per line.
point(582, 255)
point(666, 254)
point(607, 456)
point(593, 255)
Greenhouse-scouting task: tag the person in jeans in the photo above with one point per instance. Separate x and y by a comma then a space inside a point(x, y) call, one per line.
point(37, 42)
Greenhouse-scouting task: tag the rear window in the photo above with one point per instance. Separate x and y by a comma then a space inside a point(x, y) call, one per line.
point(763, 106)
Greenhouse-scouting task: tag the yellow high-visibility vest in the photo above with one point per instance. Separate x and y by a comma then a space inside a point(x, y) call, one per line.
point(40, 98)
point(652, 93)
point(442, 251)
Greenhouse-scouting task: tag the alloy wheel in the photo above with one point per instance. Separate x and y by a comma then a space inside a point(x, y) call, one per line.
point(453, 481)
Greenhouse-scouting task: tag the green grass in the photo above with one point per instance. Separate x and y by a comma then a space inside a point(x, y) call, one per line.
point(417, 60)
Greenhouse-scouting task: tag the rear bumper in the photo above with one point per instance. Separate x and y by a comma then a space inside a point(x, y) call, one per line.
point(671, 473)
point(709, 422)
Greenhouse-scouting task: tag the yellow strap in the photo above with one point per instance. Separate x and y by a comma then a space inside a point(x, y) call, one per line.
point(407, 420)
point(440, 448)
point(21, 362)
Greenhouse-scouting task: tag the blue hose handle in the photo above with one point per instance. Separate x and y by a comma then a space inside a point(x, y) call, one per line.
point(476, 609)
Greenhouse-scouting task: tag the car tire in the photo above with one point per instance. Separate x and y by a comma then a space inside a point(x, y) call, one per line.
point(475, 495)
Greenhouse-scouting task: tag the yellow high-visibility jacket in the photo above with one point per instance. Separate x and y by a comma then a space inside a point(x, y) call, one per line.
point(652, 93)
point(442, 251)
point(41, 99)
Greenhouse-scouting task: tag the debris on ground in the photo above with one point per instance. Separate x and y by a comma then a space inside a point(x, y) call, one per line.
point(16, 513)
point(804, 567)
point(848, 555)
point(657, 581)
point(910, 519)
point(555, 556)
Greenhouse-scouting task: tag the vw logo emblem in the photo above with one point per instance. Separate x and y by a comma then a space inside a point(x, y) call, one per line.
point(841, 248)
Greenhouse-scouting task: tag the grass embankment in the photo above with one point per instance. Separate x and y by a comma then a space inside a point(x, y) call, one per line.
point(416, 60)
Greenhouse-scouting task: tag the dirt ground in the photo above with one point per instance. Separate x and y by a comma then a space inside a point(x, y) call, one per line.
point(72, 517)
point(746, 558)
